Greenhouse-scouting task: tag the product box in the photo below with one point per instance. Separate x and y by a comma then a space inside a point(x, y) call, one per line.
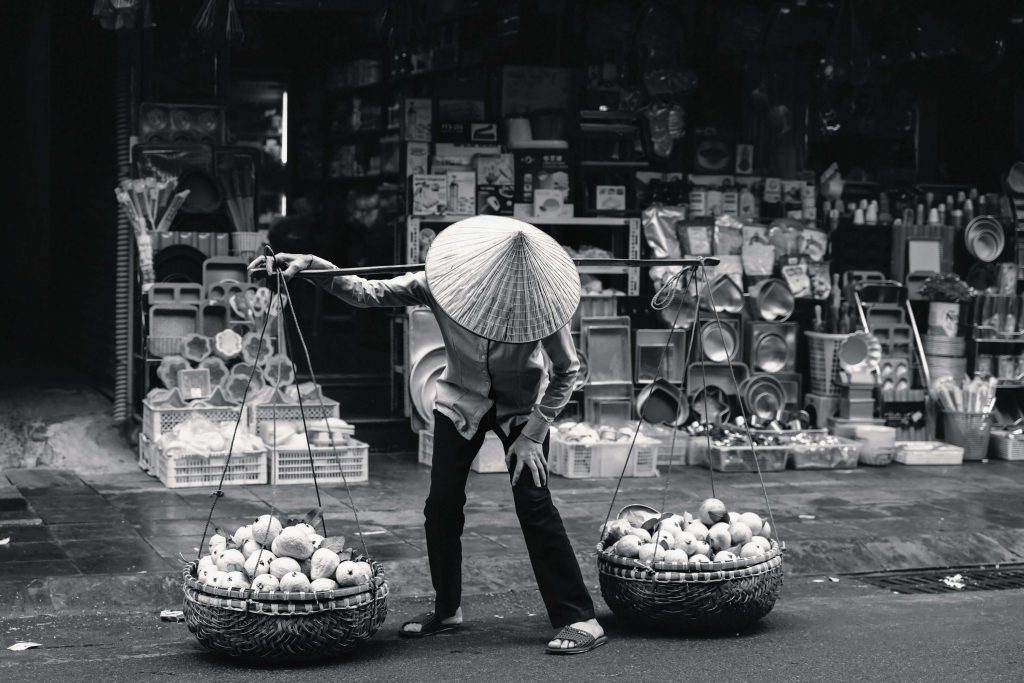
point(452, 157)
point(495, 169)
point(417, 158)
point(461, 193)
point(548, 203)
point(417, 119)
point(610, 198)
point(542, 170)
point(467, 132)
point(429, 194)
point(494, 199)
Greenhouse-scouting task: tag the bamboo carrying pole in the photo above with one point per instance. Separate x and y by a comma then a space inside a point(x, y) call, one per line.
point(584, 262)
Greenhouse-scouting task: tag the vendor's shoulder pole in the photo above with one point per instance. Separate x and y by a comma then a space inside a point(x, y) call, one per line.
point(601, 262)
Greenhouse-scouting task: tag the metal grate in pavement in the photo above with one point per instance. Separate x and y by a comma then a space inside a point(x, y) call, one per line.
point(995, 578)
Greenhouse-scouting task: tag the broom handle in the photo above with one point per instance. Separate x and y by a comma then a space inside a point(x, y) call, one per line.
point(599, 262)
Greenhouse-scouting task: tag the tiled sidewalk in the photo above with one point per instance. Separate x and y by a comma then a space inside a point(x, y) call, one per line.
point(833, 522)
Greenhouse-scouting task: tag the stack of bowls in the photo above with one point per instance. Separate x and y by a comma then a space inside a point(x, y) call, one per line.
point(947, 356)
point(984, 238)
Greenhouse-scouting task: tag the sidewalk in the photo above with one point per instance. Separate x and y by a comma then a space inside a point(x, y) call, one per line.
point(109, 540)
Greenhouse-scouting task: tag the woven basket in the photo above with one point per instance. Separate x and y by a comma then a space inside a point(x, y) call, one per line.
point(284, 626)
point(703, 597)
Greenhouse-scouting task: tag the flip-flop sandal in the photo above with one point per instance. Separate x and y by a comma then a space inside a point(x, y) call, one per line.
point(429, 625)
point(585, 642)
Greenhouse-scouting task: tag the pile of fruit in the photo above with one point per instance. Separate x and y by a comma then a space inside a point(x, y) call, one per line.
point(267, 556)
point(713, 535)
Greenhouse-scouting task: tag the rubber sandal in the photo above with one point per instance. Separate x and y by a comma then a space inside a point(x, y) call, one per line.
point(429, 625)
point(585, 642)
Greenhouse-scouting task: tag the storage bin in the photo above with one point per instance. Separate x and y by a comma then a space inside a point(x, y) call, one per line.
point(345, 462)
point(156, 421)
point(1006, 446)
point(187, 471)
point(604, 460)
point(147, 454)
point(739, 458)
point(825, 456)
point(928, 453)
point(857, 408)
point(490, 459)
point(290, 412)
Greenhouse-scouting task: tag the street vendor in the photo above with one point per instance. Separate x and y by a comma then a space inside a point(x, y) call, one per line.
point(503, 293)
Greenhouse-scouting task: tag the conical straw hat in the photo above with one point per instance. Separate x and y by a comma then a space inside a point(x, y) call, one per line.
point(502, 279)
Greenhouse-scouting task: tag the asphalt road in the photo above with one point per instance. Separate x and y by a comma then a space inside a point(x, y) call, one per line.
point(833, 632)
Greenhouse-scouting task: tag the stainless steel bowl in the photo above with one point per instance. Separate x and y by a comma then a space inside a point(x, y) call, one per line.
point(771, 353)
point(718, 342)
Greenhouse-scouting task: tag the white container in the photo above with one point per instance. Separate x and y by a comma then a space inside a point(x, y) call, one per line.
point(928, 453)
point(879, 444)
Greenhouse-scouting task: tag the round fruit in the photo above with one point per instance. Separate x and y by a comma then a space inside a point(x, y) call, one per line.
point(324, 584)
point(349, 574)
point(766, 531)
point(627, 546)
point(614, 530)
point(686, 542)
point(712, 511)
point(699, 558)
point(763, 543)
point(316, 540)
point(753, 521)
point(651, 552)
point(265, 583)
point(231, 561)
point(217, 544)
point(204, 573)
point(733, 517)
point(698, 529)
point(295, 582)
point(740, 533)
point(243, 534)
point(305, 528)
point(283, 565)
point(259, 563)
point(676, 556)
point(293, 542)
point(703, 548)
point(365, 569)
point(266, 529)
point(216, 578)
point(719, 536)
point(206, 561)
point(724, 556)
point(250, 547)
point(324, 564)
point(235, 580)
point(751, 550)
point(641, 534)
point(664, 538)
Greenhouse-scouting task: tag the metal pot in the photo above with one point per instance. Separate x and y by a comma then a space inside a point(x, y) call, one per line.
point(723, 296)
point(661, 402)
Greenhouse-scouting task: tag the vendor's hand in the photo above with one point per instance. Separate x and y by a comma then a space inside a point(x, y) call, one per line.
point(528, 453)
point(292, 264)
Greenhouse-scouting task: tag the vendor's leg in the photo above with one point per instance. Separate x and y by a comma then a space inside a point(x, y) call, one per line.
point(554, 562)
point(444, 515)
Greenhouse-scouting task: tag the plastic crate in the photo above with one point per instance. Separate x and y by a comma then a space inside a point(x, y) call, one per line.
point(351, 459)
point(186, 471)
point(158, 421)
point(739, 458)
point(489, 460)
point(825, 456)
point(667, 453)
point(290, 412)
point(928, 453)
point(1006, 447)
point(604, 460)
point(147, 455)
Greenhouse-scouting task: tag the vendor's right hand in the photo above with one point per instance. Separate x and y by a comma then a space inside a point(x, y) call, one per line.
point(292, 264)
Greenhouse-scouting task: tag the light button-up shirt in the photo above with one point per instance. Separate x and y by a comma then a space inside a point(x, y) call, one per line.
point(480, 373)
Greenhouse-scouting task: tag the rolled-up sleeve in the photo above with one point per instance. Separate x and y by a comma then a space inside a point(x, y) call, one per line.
point(565, 364)
point(405, 290)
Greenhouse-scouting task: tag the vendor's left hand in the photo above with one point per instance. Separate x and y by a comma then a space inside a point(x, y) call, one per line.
point(528, 454)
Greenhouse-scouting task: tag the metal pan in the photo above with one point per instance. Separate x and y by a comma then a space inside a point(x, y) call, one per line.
point(719, 342)
point(723, 296)
point(772, 300)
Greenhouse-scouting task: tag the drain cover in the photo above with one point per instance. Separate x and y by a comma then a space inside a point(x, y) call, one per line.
point(1003, 577)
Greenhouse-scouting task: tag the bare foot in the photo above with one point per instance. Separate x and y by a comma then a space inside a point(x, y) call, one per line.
point(454, 619)
point(591, 626)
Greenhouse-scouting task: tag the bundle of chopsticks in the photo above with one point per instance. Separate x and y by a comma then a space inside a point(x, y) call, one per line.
point(238, 192)
point(974, 396)
point(150, 203)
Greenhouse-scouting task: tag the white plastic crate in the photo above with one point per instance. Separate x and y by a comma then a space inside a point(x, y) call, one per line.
point(289, 412)
point(186, 471)
point(603, 460)
point(928, 453)
point(489, 460)
point(738, 458)
point(351, 459)
point(147, 455)
point(1005, 446)
point(158, 421)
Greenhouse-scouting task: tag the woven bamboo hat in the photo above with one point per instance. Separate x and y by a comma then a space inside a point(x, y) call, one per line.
point(502, 279)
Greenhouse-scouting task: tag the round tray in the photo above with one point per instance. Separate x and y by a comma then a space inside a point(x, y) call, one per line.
point(284, 626)
point(703, 597)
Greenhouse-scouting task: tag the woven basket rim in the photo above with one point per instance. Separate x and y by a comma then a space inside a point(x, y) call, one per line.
point(643, 574)
point(376, 582)
point(699, 568)
point(288, 609)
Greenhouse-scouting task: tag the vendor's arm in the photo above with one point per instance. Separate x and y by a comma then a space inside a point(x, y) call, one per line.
point(405, 290)
point(564, 366)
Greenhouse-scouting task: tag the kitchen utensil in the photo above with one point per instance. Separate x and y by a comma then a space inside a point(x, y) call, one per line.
point(623, 321)
point(772, 300)
point(860, 353)
point(711, 406)
point(763, 396)
point(718, 341)
point(984, 238)
point(179, 263)
point(650, 350)
point(661, 402)
point(607, 348)
point(723, 296)
point(421, 372)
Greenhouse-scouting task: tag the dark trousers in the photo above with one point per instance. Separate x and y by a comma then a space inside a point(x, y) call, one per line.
point(554, 563)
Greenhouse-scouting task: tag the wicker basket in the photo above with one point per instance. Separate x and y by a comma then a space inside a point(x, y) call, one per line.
point(284, 626)
point(703, 597)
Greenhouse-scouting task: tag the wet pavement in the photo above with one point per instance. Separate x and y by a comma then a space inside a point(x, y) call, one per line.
point(79, 536)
